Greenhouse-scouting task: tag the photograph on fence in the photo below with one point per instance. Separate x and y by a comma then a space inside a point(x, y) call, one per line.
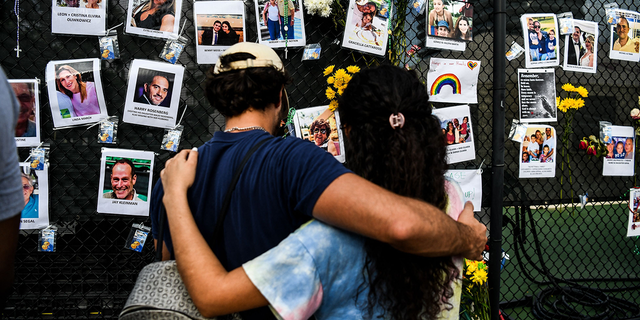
point(625, 36)
point(537, 95)
point(125, 181)
point(79, 17)
point(321, 126)
point(450, 19)
point(153, 93)
point(276, 32)
point(367, 26)
point(470, 182)
point(620, 152)
point(75, 92)
point(633, 228)
point(35, 188)
point(581, 47)
point(219, 25)
point(540, 41)
point(154, 18)
point(456, 128)
point(455, 81)
point(538, 152)
point(28, 126)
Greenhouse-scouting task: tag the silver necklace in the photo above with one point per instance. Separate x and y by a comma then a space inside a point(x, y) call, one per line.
point(245, 129)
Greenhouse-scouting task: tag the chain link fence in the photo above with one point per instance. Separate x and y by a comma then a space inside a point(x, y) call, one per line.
point(91, 274)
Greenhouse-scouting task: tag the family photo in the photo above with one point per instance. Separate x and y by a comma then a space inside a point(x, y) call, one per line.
point(456, 130)
point(620, 148)
point(541, 43)
point(538, 146)
point(366, 26)
point(450, 19)
point(455, 123)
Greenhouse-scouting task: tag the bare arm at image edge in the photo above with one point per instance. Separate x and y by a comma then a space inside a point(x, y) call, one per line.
point(407, 224)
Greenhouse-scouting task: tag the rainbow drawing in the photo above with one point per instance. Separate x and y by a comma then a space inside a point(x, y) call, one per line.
point(447, 79)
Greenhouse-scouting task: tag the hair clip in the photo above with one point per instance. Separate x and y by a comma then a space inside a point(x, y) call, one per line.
point(396, 120)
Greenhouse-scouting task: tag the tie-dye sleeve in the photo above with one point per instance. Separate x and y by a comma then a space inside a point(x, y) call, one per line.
point(288, 278)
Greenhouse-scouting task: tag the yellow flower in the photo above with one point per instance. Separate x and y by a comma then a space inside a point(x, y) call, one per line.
point(578, 103)
point(353, 69)
point(472, 266)
point(479, 277)
point(557, 101)
point(340, 91)
point(582, 91)
point(333, 105)
point(330, 80)
point(347, 78)
point(340, 74)
point(330, 94)
point(328, 70)
point(339, 83)
point(568, 87)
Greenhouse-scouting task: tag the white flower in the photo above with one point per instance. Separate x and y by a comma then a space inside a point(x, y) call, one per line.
point(635, 113)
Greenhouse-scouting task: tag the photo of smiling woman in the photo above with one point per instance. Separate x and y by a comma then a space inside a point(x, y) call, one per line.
point(82, 94)
point(153, 18)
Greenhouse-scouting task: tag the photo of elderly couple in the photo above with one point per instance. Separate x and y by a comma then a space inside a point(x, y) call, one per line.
point(456, 130)
point(450, 19)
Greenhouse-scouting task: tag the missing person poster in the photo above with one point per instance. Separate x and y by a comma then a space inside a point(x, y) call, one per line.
point(153, 93)
point(633, 228)
point(219, 25)
point(322, 127)
point(35, 188)
point(276, 31)
point(75, 92)
point(540, 41)
point(456, 127)
point(28, 126)
point(450, 80)
point(470, 182)
point(82, 17)
point(153, 18)
point(537, 95)
point(581, 47)
point(538, 152)
point(620, 151)
point(624, 43)
point(367, 26)
point(125, 181)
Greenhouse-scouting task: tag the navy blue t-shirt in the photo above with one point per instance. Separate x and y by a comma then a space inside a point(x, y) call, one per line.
point(275, 194)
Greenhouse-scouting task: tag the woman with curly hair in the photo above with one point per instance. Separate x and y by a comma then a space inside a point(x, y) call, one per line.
point(393, 140)
point(155, 15)
point(83, 95)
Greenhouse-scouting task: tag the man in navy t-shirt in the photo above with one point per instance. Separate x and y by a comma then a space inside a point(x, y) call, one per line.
point(286, 182)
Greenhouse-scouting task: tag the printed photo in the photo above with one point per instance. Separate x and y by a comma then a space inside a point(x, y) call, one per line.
point(75, 92)
point(322, 127)
point(620, 151)
point(28, 127)
point(537, 95)
point(35, 188)
point(581, 47)
point(538, 152)
point(625, 36)
point(79, 17)
point(154, 18)
point(450, 19)
point(125, 181)
point(367, 25)
point(153, 93)
point(273, 29)
point(633, 228)
point(219, 25)
point(540, 32)
point(456, 129)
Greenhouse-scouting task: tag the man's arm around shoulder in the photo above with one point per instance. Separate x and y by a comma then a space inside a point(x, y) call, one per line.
point(357, 205)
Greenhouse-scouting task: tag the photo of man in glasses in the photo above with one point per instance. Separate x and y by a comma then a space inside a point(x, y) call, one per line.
point(320, 131)
point(26, 126)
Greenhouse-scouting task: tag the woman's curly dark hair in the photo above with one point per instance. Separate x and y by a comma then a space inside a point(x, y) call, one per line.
point(409, 161)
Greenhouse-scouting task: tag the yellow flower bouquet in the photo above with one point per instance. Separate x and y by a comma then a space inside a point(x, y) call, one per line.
point(337, 81)
point(475, 291)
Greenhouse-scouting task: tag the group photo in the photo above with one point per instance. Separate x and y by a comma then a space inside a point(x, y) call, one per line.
point(450, 19)
point(539, 145)
point(456, 130)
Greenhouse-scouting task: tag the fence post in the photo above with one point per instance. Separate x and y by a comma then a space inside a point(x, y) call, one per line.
point(497, 163)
